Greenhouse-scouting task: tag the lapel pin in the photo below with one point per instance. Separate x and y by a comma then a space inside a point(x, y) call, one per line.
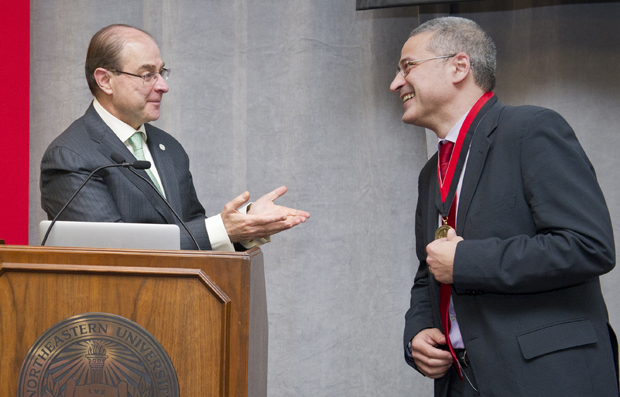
point(162, 147)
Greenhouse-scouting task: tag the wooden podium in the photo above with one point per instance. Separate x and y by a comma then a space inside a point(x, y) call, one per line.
point(207, 309)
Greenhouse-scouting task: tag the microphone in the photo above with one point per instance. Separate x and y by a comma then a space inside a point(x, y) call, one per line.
point(49, 229)
point(140, 165)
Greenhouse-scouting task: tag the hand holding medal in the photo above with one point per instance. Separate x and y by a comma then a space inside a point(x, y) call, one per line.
point(440, 256)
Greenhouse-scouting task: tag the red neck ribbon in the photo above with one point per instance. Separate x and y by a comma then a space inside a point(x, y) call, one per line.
point(445, 186)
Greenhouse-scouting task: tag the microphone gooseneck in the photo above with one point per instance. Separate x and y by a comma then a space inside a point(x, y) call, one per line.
point(49, 229)
point(141, 165)
point(120, 162)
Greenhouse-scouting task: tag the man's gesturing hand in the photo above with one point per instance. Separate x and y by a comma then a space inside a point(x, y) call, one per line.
point(263, 219)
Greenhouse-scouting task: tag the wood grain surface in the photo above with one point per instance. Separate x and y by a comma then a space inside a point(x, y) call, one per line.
point(196, 304)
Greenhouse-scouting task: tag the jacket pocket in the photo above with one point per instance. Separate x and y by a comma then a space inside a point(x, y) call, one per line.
point(556, 337)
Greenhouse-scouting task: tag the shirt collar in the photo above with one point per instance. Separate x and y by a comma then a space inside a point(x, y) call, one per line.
point(454, 132)
point(122, 130)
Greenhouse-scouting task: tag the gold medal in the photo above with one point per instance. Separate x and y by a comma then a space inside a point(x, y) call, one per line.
point(442, 231)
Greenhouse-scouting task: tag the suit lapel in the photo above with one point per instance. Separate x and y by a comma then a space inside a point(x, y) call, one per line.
point(433, 191)
point(109, 143)
point(478, 151)
point(165, 168)
point(432, 222)
point(99, 132)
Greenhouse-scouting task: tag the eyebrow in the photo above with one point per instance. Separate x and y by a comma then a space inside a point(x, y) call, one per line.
point(150, 67)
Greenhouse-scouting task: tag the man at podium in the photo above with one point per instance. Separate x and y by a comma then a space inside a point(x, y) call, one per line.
point(127, 77)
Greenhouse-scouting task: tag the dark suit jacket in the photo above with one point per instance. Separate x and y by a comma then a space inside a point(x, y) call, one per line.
point(526, 278)
point(116, 194)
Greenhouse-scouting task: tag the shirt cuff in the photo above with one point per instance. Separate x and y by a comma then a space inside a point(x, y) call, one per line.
point(257, 242)
point(219, 238)
point(217, 234)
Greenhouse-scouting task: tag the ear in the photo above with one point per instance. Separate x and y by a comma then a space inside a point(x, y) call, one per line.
point(102, 77)
point(462, 67)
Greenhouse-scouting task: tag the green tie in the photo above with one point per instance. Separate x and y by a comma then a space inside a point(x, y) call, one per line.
point(135, 141)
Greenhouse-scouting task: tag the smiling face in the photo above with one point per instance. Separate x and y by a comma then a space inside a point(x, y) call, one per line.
point(426, 90)
point(133, 101)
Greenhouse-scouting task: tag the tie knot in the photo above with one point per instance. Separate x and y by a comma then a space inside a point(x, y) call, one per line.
point(136, 139)
point(136, 143)
point(445, 151)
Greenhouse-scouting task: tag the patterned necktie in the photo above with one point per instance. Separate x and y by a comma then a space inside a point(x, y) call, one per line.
point(445, 152)
point(136, 143)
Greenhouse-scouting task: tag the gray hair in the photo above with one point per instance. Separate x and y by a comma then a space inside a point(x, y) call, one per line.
point(453, 35)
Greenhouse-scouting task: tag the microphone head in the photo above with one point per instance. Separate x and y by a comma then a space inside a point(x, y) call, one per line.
point(118, 158)
point(138, 164)
point(141, 164)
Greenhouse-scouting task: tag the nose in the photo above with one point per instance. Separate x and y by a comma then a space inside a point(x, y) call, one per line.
point(160, 84)
point(397, 83)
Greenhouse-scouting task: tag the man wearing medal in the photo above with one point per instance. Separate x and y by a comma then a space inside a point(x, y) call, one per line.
point(512, 234)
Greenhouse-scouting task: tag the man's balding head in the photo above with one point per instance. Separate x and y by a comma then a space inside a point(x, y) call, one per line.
point(104, 50)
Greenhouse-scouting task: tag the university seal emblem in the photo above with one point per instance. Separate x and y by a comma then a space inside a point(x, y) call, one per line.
point(97, 354)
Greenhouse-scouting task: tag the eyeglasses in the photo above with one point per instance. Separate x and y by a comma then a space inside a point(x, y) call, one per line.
point(149, 77)
point(405, 66)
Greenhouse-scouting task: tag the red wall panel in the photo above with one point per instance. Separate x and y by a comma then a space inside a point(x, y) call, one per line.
point(14, 120)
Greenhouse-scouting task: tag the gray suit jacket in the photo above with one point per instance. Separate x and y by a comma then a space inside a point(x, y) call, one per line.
point(116, 194)
point(526, 278)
